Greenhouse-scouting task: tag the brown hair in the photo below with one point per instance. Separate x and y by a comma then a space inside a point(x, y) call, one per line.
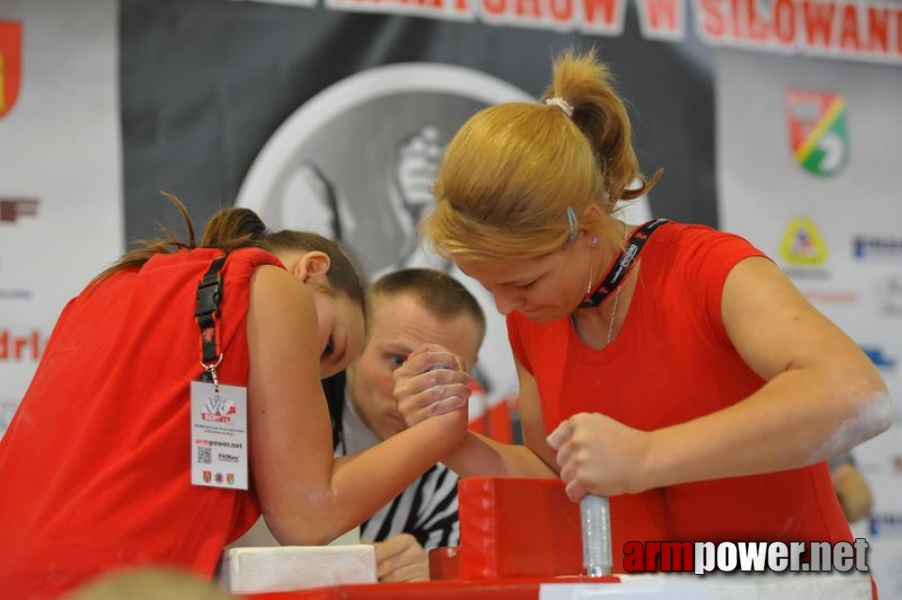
point(513, 170)
point(441, 294)
point(233, 228)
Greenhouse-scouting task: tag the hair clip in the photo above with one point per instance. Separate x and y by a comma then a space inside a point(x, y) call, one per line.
point(572, 222)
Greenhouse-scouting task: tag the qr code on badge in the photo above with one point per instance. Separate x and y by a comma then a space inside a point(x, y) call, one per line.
point(204, 455)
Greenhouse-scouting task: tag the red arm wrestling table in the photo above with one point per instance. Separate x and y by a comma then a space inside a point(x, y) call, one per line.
point(521, 539)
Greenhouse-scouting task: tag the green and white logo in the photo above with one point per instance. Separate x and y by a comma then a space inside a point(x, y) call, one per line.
point(818, 132)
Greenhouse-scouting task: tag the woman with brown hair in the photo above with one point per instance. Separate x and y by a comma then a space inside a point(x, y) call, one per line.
point(106, 463)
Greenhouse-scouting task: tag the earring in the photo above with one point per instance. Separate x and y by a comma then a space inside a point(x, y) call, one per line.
point(593, 241)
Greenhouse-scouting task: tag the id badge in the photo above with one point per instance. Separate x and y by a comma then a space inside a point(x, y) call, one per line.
point(219, 435)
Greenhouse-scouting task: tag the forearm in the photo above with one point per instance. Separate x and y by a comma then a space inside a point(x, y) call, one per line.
point(359, 485)
point(798, 418)
point(479, 456)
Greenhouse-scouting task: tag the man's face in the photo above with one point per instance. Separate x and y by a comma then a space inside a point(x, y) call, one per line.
point(398, 325)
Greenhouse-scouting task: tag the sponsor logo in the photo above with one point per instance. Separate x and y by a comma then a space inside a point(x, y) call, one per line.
point(230, 478)
point(880, 359)
point(802, 243)
point(818, 134)
point(803, 249)
point(10, 210)
point(218, 409)
point(208, 476)
point(13, 208)
point(885, 524)
point(10, 64)
point(218, 478)
point(877, 248)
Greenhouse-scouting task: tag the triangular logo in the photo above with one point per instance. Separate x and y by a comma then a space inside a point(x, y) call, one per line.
point(10, 64)
point(802, 243)
point(818, 134)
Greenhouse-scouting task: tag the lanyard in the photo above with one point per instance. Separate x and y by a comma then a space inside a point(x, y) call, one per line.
point(623, 263)
point(206, 315)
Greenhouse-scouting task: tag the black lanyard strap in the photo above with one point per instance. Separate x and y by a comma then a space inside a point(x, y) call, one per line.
point(622, 265)
point(206, 315)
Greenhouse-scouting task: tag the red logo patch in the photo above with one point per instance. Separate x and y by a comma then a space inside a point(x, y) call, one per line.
point(10, 64)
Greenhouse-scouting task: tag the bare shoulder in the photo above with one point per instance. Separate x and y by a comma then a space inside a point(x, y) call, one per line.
point(275, 289)
point(774, 327)
point(757, 269)
point(756, 284)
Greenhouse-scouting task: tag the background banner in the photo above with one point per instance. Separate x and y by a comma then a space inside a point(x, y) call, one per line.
point(60, 170)
point(809, 171)
point(332, 115)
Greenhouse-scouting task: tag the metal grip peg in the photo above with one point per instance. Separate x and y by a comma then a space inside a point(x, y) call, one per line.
point(595, 514)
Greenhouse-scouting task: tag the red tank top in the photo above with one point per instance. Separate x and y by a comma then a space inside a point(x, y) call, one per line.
point(95, 466)
point(672, 362)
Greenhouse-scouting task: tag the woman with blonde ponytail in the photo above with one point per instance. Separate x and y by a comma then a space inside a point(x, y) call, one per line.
point(104, 466)
point(670, 366)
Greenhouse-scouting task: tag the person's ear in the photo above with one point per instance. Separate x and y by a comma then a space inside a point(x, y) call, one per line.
point(312, 264)
point(592, 213)
point(589, 223)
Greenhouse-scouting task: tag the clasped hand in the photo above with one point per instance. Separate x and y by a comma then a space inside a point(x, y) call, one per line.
point(432, 381)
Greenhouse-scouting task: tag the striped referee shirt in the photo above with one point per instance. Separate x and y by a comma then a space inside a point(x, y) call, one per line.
point(427, 509)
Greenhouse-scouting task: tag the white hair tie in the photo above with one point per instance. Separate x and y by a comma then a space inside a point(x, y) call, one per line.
point(561, 104)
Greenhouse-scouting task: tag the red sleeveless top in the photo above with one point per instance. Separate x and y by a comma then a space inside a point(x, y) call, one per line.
point(673, 362)
point(95, 467)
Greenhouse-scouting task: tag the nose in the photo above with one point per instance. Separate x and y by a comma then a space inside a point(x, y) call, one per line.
point(507, 303)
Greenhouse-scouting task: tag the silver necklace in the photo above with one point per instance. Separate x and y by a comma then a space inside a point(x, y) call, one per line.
point(614, 313)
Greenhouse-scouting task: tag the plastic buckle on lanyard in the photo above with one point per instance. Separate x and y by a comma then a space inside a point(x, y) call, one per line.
point(209, 294)
point(206, 314)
